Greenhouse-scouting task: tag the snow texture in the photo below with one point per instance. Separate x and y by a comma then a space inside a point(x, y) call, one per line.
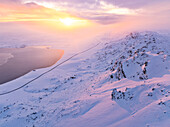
point(124, 83)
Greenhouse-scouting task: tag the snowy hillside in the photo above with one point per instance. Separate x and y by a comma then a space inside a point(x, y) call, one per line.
point(124, 83)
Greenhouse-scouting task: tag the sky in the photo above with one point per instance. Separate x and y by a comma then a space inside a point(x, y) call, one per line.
point(78, 20)
point(82, 13)
point(101, 11)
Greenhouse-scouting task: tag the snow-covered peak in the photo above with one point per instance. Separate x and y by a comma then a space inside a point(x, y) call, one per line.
point(138, 56)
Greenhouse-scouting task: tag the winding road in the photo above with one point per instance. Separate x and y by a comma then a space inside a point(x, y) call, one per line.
point(79, 53)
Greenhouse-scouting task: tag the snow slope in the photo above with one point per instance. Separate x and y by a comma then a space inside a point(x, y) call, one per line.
point(121, 83)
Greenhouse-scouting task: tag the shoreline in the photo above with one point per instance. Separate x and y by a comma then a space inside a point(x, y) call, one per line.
point(25, 60)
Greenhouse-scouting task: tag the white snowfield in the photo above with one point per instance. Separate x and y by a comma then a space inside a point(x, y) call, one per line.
point(123, 83)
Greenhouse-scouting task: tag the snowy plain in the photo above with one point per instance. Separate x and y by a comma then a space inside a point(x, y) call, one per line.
point(124, 82)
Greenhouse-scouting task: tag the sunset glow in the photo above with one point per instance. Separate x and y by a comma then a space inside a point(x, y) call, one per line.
point(72, 22)
point(68, 21)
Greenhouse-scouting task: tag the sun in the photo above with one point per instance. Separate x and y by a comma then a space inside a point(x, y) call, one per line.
point(68, 21)
point(73, 22)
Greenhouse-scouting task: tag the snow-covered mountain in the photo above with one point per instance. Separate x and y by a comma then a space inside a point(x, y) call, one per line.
point(124, 83)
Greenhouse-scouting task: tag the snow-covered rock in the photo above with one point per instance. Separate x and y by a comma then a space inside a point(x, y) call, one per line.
point(123, 83)
point(139, 56)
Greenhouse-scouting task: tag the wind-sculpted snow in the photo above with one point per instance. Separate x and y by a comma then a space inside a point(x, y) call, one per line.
point(123, 83)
